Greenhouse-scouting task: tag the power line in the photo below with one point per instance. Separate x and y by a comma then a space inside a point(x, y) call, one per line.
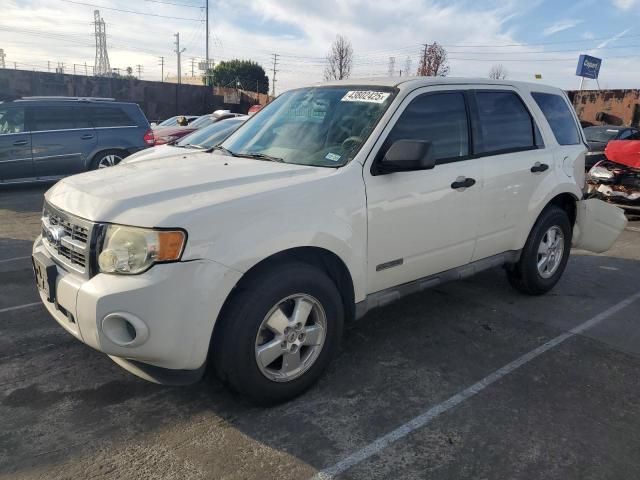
point(173, 3)
point(131, 11)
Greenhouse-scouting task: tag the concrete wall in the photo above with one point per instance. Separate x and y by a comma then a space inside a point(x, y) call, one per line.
point(158, 100)
point(614, 107)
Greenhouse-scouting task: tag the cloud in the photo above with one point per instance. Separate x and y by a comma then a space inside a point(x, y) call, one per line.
point(626, 4)
point(612, 39)
point(560, 27)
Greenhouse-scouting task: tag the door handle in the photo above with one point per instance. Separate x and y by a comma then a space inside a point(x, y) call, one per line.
point(463, 182)
point(20, 143)
point(539, 167)
point(87, 136)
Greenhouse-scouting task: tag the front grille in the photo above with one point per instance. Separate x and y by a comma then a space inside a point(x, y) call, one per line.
point(67, 238)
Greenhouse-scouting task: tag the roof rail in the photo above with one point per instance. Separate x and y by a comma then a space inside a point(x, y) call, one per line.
point(77, 99)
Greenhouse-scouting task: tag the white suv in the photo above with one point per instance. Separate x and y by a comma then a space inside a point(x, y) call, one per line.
point(332, 200)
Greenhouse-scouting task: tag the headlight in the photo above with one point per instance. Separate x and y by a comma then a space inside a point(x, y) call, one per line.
point(131, 250)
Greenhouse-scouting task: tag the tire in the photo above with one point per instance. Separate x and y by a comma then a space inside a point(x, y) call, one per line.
point(108, 158)
point(526, 276)
point(242, 332)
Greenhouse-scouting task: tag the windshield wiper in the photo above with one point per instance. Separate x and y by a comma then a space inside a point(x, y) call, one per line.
point(223, 149)
point(261, 156)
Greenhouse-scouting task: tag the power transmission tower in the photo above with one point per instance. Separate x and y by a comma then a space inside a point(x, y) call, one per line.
point(2, 57)
point(179, 53)
point(161, 69)
point(139, 69)
point(193, 66)
point(273, 82)
point(101, 66)
point(392, 66)
point(407, 66)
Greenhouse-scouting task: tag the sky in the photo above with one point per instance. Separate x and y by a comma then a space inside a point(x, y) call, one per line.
point(527, 37)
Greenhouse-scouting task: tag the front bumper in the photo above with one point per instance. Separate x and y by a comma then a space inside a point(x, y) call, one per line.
point(174, 307)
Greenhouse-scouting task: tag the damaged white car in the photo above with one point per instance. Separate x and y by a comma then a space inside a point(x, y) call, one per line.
point(332, 200)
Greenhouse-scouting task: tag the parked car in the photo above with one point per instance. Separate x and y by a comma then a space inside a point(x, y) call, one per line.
point(617, 179)
point(202, 139)
point(599, 137)
point(172, 134)
point(331, 201)
point(173, 121)
point(46, 138)
point(254, 109)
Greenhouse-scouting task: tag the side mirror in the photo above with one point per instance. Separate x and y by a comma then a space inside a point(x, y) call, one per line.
point(408, 155)
point(153, 124)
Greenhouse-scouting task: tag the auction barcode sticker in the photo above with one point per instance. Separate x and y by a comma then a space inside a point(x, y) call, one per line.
point(365, 96)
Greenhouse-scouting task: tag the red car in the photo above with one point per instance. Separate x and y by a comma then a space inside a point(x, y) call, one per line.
point(172, 134)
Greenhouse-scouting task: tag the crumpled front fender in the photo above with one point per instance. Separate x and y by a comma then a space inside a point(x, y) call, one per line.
point(598, 225)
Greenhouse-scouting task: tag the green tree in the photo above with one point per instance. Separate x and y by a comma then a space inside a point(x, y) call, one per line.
point(249, 74)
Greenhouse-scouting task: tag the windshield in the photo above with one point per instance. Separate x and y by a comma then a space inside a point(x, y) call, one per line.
point(202, 122)
point(600, 134)
point(322, 126)
point(169, 122)
point(212, 135)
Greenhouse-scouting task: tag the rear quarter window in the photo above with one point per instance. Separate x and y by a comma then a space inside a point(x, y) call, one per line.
point(561, 120)
point(110, 116)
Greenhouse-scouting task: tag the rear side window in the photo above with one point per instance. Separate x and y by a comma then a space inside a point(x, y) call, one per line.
point(440, 118)
point(505, 123)
point(557, 113)
point(46, 118)
point(110, 117)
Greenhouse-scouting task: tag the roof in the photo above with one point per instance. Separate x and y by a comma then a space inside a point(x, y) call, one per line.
point(410, 83)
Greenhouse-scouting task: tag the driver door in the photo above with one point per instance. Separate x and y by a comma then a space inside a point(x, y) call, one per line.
point(419, 224)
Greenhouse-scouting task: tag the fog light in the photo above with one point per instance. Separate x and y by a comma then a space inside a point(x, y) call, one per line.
point(124, 329)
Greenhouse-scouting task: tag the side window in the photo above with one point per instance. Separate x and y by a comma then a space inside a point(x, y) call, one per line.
point(110, 116)
point(562, 123)
point(626, 135)
point(56, 118)
point(440, 118)
point(505, 124)
point(11, 120)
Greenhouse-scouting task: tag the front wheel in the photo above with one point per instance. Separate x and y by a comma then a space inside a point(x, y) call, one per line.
point(278, 333)
point(545, 254)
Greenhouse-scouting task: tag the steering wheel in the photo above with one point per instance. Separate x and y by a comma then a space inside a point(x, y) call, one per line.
point(350, 143)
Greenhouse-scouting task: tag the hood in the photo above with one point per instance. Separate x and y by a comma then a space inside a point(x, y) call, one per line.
point(160, 151)
point(159, 193)
point(624, 152)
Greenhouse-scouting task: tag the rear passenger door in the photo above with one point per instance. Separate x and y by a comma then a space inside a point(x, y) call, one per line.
point(509, 145)
point(62, 139)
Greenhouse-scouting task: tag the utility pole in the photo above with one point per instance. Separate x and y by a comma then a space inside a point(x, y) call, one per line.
point(86, 70)
point(140, 69)
point(179, 54)
point(161, 69)
point(207, 35)
point(193, 66)
point(2, 57)
point(48, 65)
point(273, 81)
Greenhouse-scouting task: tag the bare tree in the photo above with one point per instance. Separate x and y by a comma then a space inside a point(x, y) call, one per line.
point(339, 59)
point(433, 61)
point(498, 72)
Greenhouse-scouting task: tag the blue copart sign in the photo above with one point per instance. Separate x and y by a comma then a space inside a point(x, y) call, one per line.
point(588, 66)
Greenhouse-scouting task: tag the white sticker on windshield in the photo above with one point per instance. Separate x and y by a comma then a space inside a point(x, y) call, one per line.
point(333, 157)
point(368, 96)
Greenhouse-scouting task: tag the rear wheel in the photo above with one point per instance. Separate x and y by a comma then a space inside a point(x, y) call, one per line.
point(545, 254)
point(108, 158)
point(278, 333)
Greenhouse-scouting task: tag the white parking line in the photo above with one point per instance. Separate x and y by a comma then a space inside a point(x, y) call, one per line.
point(423, 419)
point(14, 259)
point(19, 307)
